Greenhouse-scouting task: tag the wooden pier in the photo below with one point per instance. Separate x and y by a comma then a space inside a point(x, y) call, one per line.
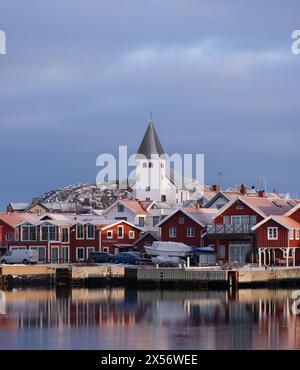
point(78, 275)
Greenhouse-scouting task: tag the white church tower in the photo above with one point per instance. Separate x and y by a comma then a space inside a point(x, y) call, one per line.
point(152, 174)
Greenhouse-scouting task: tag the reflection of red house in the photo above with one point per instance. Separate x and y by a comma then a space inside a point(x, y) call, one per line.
point(119, 237)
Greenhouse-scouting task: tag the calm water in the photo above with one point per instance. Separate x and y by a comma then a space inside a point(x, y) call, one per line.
point(131, 319)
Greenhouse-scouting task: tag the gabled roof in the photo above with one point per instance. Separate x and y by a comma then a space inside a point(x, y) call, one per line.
point(284, 221)
point(13, 219)
point(292, 210)
point(154, 235)
point(136, 206)
point(263, 206)
point(19, 206)
point(202, 216)
point(120, 222)
point(151, 144)
point(220, 194)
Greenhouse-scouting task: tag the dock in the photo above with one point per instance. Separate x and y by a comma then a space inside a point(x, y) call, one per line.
point(143, 276)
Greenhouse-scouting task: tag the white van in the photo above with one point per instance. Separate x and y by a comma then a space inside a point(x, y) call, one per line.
point(20, 256)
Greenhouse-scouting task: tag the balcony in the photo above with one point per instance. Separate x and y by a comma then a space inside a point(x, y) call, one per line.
point(229, 229)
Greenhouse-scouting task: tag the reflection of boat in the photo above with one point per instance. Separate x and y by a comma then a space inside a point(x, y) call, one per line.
point(167, 261)
point(169, 249)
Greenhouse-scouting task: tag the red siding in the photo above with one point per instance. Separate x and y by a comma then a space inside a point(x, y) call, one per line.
point(181, 230)
point(262, 236)
point(296, 216)
point(234, 211)
point(109, 243)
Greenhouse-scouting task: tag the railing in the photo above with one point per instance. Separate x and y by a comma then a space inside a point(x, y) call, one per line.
point(229, 229)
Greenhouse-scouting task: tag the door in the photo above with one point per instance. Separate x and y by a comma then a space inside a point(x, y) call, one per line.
point(238, 252)
point(41, 251)
point(54, 254)
point(65, 254)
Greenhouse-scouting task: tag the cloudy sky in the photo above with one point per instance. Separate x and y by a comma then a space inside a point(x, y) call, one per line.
point(80, 78)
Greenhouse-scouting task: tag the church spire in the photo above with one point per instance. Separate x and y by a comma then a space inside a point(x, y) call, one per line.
point(151, 143)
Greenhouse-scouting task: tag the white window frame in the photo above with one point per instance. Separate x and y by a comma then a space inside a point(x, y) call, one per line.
point(172, 232)
point(291, 234)
point(120, 227)
point(181, 220)
point(131, 234)
point(109, 234)
point(239, 217)
point(77, 249)
point(190, 232)
point(87, 232)
point(297, 234)
point(48, 233)
point(68, 234)
point(77, 226)
point(271, 233)
point(105, 249)
point(29, 240)
point(90, 250)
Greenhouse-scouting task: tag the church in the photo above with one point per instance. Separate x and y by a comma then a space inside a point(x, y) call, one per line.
point(153, 174)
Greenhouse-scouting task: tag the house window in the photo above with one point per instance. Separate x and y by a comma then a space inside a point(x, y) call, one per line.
point(121, 208)
point(90, 231)
point(141, 222)
point(222, 251)
point(155, 220)
point(145, 165)
point(163, 198)
point(190, 232)
point(148, 188)
point(79, 232)
point(109, 234)
point(172, 232)
point(120, 232)
point(240, 206)
point(9, 237)
point(297, 234)
point(253, 220)
point(181, 221)
point(148, 200)
point(48, 233)
point(28, 233)
point(240, 220)
point(272, 233)
point(65, 235)
point(291, 234)
point(105, 249)
point(131, 234)
point(150, 164)
point(80, 254)
point(226, 220)
point(89, 250)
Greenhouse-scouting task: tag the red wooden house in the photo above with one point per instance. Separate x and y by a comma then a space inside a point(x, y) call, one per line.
point(187, 225)
point(232, 231)
point(278, 239)
point(119, 237)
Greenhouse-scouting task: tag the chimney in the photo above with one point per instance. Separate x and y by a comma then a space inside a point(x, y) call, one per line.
point(216, 188)
point(243, 190)
point(261, 193)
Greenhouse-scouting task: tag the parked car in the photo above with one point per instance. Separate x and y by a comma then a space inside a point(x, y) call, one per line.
point(25, 256)
point(167, 261)
point(100, 257)
point(131, 258)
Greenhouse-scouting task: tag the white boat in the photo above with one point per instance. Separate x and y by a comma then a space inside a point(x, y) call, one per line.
point(168, 249)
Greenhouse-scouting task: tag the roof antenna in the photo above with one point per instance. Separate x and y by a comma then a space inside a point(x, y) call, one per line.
point(150, 115)
point(220, 175)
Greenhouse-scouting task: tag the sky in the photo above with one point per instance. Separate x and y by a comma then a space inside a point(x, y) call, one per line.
point(80, 77)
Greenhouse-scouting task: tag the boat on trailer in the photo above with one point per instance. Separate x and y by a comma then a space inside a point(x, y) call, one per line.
point(171, 249)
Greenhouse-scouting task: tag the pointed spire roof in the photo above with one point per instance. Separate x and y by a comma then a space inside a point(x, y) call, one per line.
point(151, 143)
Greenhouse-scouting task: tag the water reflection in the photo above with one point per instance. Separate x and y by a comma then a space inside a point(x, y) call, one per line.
point(128, 319)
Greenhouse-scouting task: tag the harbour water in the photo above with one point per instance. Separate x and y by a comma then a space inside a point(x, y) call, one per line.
point(121, 318)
